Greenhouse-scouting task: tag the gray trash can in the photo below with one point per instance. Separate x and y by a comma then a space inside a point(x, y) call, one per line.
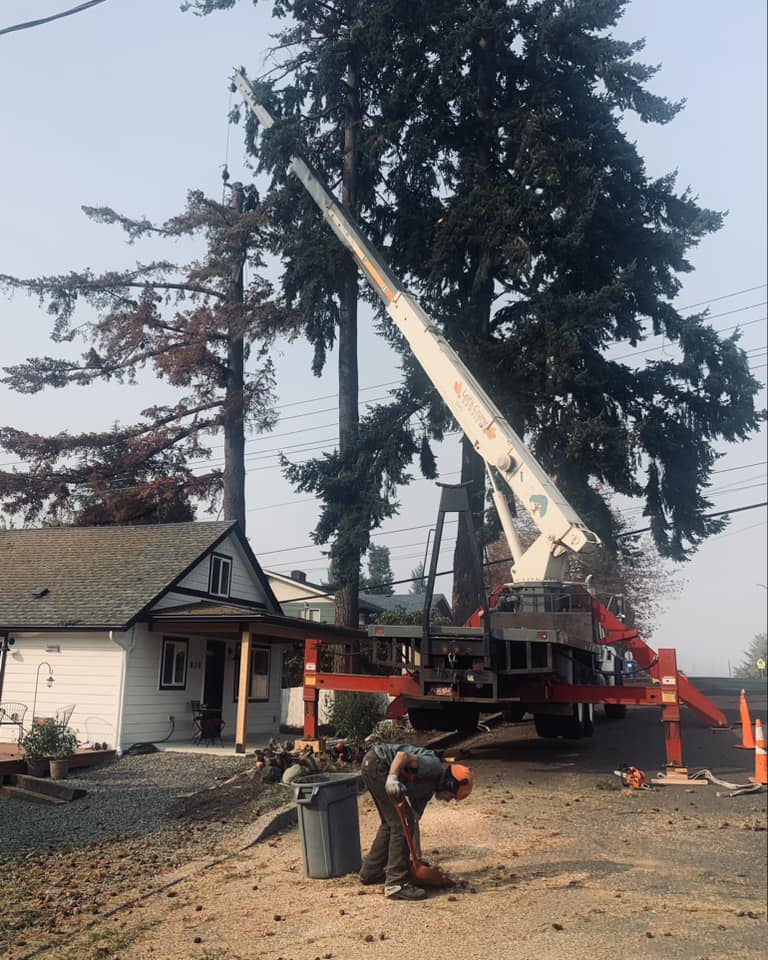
point(329, 825)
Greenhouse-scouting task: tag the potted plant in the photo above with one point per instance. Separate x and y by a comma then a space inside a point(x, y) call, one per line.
point(61, 753)
point(48, 744)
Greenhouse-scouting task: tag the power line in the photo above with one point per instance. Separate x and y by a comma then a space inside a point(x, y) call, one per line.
point(290, 503)
point(670, 345)
point(725, 296)
point(493, 563)
point(707, 516)
point(426, 526)
point(55, 16)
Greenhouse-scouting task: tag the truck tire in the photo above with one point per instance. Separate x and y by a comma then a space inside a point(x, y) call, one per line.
point(573, 727)
point(422, 719)
point(547, 726)
point(454, 716)
point(615, 711)
point(588, 727)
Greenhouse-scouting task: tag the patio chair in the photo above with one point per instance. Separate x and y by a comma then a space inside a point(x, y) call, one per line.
point(12, 714)
point(63, 714)
point(207, 722)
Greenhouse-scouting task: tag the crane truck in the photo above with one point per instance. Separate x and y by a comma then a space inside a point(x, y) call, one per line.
point(537, 645)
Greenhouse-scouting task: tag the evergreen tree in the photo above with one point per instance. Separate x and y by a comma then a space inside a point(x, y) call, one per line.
point(339, 62)
point(418, 581)
point(553, 244)
point(196, 327)
point(757, 650)
point(528, 223)
point(380, 576)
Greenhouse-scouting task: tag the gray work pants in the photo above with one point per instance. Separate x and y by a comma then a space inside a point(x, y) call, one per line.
point(389, 854)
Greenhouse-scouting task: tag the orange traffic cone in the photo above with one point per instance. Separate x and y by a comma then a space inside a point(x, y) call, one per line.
point(747, 740)
point(761, 759)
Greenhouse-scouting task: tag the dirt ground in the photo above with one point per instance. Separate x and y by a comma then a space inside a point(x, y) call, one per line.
point(554, 860)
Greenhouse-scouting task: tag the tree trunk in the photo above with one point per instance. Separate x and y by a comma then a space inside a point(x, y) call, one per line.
point(348, 554)
point(234, 426)
point(465, 591)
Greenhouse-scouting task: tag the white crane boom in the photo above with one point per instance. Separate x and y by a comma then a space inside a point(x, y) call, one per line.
point(503, 451)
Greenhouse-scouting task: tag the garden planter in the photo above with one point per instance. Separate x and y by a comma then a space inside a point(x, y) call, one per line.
point(59, 769)
point(37, 767)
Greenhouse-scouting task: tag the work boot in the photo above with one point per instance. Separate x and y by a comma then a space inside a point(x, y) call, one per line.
point(371, 880)
point(404, 891)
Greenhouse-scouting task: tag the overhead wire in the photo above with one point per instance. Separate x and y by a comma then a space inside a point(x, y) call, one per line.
point(28, 24)
point(492, 563)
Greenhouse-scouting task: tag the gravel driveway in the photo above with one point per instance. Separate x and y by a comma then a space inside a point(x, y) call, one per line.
point(129, 796)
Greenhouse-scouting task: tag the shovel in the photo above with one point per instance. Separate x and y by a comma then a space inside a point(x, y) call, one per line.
point(422, 875)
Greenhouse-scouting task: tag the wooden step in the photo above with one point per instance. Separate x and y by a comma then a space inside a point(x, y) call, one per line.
point(32, 796)
point(50, 788)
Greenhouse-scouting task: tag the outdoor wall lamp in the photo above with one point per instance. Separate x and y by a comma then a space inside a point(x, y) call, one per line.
point(49, 683)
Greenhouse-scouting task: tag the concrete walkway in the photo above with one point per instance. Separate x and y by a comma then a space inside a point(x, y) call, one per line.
point(225, 748)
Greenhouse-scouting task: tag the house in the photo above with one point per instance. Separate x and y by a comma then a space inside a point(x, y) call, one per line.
point(300, 598)
point(408, 602)
point(136, 623)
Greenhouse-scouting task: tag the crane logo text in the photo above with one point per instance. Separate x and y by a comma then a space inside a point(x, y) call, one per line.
point(474, 409)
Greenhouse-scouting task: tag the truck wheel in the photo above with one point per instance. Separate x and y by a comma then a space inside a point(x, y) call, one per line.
point(573, 726)
point(423, 719)
point(457, 716)
point(547, 726)
point(615, 711)
point(465, 717)
point(588, 726)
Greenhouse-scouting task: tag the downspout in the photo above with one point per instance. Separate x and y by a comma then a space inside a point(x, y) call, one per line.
point(4, 644)
point(126, 645)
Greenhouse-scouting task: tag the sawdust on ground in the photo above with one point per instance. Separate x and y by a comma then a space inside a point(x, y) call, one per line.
point(579, 869)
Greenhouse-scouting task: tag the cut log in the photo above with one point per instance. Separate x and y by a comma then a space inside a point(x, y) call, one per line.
point(51, 788)
point(33, 797)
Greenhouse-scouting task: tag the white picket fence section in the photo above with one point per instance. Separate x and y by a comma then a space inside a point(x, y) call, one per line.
point(292, 706)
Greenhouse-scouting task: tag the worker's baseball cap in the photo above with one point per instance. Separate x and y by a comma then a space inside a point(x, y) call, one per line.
point(459, 780)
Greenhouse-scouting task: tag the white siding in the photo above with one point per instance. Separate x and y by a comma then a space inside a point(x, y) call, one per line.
point(263, 716)
point(243, 586)
point(287, 590)
point(171, 599)
point(86, 670)
point(147, 707)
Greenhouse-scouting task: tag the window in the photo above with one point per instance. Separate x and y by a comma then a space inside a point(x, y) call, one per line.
point(173, 665)
point(221, 573)
point(258, 687)
point(310, 613)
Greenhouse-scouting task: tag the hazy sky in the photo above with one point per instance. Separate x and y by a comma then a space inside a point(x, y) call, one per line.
point(125, 105)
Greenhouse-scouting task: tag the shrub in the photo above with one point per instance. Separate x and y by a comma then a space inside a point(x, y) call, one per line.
point(354, 715)
point(48, 740)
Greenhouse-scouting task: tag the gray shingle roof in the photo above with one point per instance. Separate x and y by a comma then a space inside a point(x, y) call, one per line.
point(95, 576)
point(409, 602)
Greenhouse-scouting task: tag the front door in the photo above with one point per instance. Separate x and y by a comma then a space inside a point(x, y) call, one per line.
point(213, 685)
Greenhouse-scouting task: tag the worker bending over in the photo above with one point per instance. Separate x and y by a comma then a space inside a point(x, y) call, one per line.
point(390, 770)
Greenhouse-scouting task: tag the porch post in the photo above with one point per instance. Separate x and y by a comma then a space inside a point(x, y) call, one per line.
point(243, 688)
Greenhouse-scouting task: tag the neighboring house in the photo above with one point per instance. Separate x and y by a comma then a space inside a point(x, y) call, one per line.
point(135, 623)
point(408, 602)
point(311, 601)
point(300, 598)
